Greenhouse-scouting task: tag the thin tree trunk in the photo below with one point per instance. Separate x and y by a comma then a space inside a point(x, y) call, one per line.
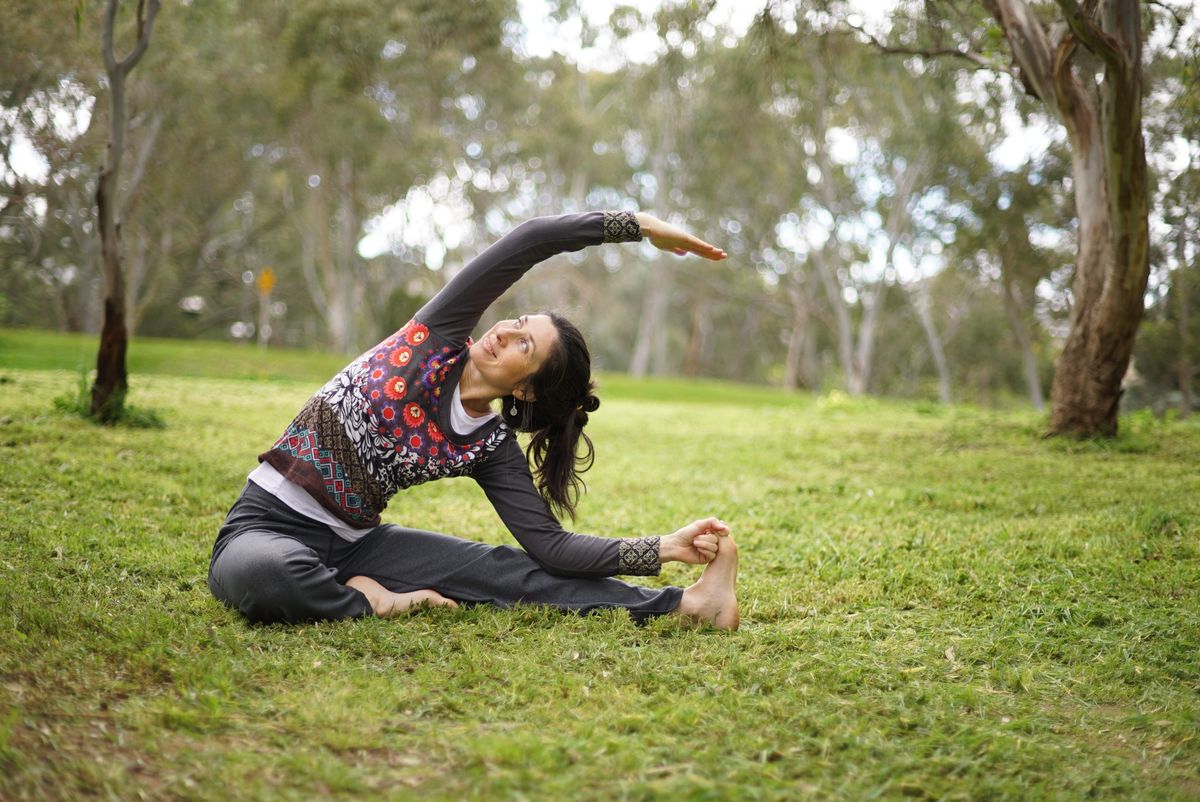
point(701, 333)
point(348, 275)
point(1182, 291)
point(793, 362)
point(650, 348)
point(843, 330)
point(108, 390)
point(1016, 322)
point(653, 319)
point(924, 308)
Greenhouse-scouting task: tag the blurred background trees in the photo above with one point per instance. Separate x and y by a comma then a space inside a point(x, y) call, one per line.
point(897, 223)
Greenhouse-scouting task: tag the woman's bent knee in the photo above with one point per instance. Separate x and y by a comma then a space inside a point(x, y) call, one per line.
point(262, 577)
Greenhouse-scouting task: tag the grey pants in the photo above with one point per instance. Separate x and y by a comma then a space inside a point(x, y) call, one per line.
point(272, 564)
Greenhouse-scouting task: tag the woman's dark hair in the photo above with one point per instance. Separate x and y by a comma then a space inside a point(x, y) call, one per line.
point(563, 396)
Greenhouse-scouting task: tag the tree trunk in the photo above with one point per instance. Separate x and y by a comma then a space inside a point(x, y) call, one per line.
point(1182, 291)
point(348, 273)
point(112, 380)
point(794, 363)
point(1020, 330)
point(698, 343)
point(652, 325)
point(924, 308)
point(1108, 158)
point(650, 349)
point(843, 330)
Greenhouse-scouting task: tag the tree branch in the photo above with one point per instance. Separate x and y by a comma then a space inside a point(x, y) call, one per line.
point(1175, 15)
point(1087, 32)
point(145, 27)
point(976, 58)
point(106, 38)
point(1030, 46)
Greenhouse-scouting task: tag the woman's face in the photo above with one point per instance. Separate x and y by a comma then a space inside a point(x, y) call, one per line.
point(513, 350)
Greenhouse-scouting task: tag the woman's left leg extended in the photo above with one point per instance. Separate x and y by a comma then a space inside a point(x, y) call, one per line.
point(404, 560)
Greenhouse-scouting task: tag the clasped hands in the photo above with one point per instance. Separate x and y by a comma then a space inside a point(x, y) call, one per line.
point(696, 543)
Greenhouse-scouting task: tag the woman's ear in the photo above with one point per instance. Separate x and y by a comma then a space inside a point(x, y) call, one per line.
point(523, 393)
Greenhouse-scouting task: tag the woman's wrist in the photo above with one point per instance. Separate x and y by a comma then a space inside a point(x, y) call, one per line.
point(667, 552)
point(646, 223)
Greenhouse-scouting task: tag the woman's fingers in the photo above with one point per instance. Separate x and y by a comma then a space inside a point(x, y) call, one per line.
point(670, 238)
point(715, 525)
point(700, 248)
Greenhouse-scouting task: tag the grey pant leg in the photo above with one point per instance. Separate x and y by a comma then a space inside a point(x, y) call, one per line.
point(269, 577)
point(404, 560)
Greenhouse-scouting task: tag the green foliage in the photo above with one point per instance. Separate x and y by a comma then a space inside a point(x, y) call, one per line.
point(937, 603)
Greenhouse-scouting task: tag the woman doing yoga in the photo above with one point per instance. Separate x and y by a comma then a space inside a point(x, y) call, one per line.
point(304, 541)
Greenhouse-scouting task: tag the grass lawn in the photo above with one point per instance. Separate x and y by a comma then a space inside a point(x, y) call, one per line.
point(936, 603)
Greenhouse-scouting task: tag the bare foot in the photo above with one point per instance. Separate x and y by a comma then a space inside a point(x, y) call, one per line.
point(712, 599)
point(385, 603)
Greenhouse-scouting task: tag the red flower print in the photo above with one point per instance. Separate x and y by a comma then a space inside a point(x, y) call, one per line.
point(374, 395)
point(418, 333)
point(377, 374)
point(401, 356)
point(397, 433)
point(395, 388)
point(388, 413)
point(379, 354)
point(390, 341)
point(435, 434)
point(433, 451)
point(414, 440)
point(413, 415)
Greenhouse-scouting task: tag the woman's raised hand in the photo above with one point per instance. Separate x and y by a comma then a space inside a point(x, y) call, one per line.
point(695, 543)
point(667, 237)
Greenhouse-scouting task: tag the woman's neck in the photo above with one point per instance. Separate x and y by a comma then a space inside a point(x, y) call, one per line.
point(476, 395)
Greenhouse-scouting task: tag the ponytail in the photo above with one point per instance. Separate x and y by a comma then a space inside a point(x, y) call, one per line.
point(563, 393)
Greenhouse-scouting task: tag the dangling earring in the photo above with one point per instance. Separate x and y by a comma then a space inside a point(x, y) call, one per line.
point(513, 412)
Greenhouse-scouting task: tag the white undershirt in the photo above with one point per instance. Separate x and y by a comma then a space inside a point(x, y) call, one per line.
point(298, 500)
point(461, 421)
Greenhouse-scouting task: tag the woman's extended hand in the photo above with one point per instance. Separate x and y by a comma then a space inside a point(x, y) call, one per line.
point(667, 237)
point(695, 543)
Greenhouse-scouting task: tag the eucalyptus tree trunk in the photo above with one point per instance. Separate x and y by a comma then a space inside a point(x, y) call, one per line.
point(923, 304)
point(799, 366)
point(699, 340)
point(112, 380)
point(1108, 160)
point(650, 348)
point(329, 260)
point(1020, 330)
point(1183, 288)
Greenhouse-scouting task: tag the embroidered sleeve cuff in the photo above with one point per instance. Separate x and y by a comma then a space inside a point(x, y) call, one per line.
point(638, 556)
point(621, 227)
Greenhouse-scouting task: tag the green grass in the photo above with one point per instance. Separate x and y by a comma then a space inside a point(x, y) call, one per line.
point(937, 603)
